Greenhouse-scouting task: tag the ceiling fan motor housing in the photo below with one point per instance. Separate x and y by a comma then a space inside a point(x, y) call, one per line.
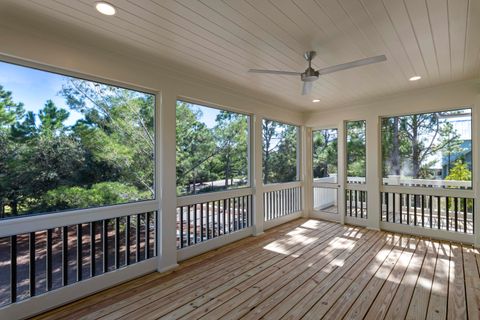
point(310, 75)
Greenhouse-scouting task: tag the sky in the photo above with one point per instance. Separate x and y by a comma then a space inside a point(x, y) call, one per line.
point(34, 87)
point(208, 115)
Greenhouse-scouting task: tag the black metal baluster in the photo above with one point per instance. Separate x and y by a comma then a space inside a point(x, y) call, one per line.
point(195, 224)
point(414, 210)
point(447, 211)
point(240, 212)
point(181, 227)
point(208, 220)
point(231, 223)
point(423, 210)
point(79, 252)
point(408, 209)
point(105, 245)
point(401, 207)
point(456, 212)
point(387, 202)
point(65, 255)
point(48, 267)
point(31, 248)
point(465, 215)
point(155, 233)
point(214, 228)
point(189, 238)
point(219, 224)
point(93, 271)
point(127, 240)
point(430, 205)
point(13, 269)
point(248, 211)
point(138, 239)
point(235, 213)
point(362, 198)
point(224, 216)
point(117, 243)
point(201, 222)
point(147, 235)
point(243, 213)
point(439, 211)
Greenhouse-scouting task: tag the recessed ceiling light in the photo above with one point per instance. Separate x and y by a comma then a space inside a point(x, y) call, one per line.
point(415, 78)
point(105, 8)
point(316, 100)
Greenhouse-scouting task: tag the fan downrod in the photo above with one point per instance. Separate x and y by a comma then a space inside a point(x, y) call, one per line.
point(309, 55)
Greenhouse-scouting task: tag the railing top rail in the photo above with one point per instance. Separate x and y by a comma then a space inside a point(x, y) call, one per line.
point(40, 222)
point(213, 196)
point(442, 192)
point(282, 186)
point(402, 181)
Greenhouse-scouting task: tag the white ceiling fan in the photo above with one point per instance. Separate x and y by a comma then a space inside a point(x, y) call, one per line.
point(310, 75)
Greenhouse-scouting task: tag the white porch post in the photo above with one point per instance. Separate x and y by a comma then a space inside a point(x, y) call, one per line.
point(166, 181)
point(256, 141)
point(476, 168)
point(373, 171)
point(341, 172)
point(307, 171)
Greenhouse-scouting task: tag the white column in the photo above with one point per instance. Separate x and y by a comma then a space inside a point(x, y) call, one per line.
point(476, 167)
point(256, 141)
point(373, 171)
point(341, 169)
point(307, 171)
point(166, 177)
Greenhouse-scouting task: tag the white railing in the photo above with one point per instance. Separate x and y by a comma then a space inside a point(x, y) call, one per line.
point(204, 217)
point(282, 199)
point(325, 194)
point(409, 182)
point(84, 245)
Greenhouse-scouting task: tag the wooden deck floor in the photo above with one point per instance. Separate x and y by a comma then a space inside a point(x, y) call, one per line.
point(304, 269)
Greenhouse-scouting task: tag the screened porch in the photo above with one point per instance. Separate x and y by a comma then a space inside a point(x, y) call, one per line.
point(151, 168)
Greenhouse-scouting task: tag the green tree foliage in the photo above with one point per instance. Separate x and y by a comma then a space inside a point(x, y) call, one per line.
point(210, 159)
point(356, 149)
point(459, 172)
point(279, 152)
point(325, 153)
point(104, 159)
point(408, 142)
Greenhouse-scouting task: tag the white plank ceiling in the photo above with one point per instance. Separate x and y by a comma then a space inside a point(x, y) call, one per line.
point(436, 39)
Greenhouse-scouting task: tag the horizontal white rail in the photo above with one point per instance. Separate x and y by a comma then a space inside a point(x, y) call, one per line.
point(408, 182)
point(356, 180)
point(461, 193)
point(20, 225)
point(427, 183)
point(282, 186)
point(213, 196)
point(361, 187)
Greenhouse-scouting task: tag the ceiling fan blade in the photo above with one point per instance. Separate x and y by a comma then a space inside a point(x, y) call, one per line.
point(307, 87)
point(287, 73)
point(352, 64)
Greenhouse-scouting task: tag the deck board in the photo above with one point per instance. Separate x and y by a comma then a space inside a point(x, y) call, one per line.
point(305, 269)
